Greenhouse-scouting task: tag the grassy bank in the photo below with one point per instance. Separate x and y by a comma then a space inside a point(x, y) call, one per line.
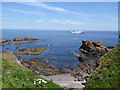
point(106, 75)
point(15, 76)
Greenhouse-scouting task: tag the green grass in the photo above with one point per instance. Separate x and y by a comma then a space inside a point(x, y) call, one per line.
point(107, 74)
point(15, 76)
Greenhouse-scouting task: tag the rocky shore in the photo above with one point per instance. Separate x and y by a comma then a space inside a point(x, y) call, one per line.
point(87, 66)
point(30, 51)
point(25, 39)
point(41, 66)
point(3, 42)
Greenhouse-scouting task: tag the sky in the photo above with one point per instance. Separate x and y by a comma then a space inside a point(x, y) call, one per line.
point(34, 15)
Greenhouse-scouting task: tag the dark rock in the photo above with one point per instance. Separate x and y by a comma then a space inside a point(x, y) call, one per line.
point(83, 83)
point(80, 79)
point(82, 57)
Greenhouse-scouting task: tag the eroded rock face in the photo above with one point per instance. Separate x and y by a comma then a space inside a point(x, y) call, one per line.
point(25, 39)
point(3, 42)
point(96, 48)
point(30, 51)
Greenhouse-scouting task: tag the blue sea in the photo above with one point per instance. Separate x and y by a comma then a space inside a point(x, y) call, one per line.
point(62, 43)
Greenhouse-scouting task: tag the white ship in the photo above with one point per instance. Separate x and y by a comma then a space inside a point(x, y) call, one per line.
point(74, 31)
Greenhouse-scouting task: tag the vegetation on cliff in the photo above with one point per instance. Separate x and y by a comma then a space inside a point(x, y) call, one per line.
point(16, 76)
point(106, 74)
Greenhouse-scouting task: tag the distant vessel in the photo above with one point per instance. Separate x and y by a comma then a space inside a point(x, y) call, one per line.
point(74, 31)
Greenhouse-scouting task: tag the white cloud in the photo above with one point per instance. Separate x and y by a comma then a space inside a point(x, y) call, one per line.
point(45, 6)
point(36, 3)
point(23, 11)
point(67, 22)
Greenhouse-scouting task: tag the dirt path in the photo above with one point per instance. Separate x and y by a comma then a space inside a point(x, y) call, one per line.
point(64, 80)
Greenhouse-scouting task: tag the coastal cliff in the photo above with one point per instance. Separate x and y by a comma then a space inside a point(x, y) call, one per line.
point(103, 71)
point(107, 73)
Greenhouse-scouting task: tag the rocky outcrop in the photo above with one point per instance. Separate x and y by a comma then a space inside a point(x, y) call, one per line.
point(87, 67)
point(40, 66)
point(30, 51)
point(25, 39)
point(82, 57)
point(3, 42)
point(95, 48)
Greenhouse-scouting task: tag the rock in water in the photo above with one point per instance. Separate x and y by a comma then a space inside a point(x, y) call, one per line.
point(96, 48)
point(73, 51)
point(25, 39)
point(30, 51)
point(3, 42)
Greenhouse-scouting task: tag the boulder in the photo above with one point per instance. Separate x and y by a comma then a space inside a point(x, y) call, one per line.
point(82, 57)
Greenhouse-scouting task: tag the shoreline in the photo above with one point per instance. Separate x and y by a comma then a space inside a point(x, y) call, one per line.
point(70, 78)
point(65, 80)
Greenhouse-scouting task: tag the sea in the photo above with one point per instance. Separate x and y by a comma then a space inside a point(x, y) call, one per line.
point(59, 44)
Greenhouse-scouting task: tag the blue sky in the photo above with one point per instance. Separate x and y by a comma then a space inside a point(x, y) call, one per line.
point(60, 15)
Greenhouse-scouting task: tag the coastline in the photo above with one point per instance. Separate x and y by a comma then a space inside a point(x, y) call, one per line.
point(63, 80)
point(76, 78)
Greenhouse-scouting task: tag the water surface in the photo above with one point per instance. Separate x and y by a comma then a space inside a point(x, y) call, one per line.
point(62, 43)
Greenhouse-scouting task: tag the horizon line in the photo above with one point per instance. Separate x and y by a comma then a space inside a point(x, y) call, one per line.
point(56, 30)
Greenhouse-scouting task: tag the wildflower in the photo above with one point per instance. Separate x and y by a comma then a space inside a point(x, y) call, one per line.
point(34, 82)
point(39, 81)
